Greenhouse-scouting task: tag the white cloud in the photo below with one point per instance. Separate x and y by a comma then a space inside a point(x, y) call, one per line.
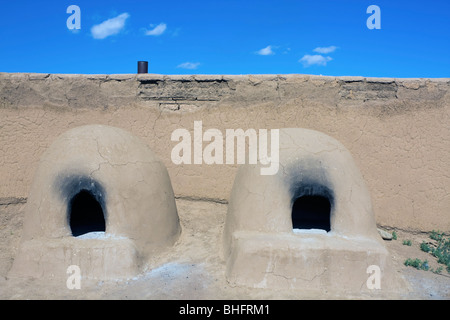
point(325, 50)
point(309, 60)
point(109, 27)
point(157, 31)
point(265, 51)
point(189, 65)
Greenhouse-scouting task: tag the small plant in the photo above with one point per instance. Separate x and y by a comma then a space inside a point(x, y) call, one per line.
point(417, 263)
point(442, 252)
point(437, 270)
point(436, 235)
point(425, 247)
point(394, 235)
point(407, 242)
point(412, 263)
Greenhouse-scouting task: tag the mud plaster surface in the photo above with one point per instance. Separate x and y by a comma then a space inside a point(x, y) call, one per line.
point(194, 269)
point(397, 130)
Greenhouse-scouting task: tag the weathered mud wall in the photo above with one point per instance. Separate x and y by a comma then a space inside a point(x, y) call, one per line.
point(397, 130)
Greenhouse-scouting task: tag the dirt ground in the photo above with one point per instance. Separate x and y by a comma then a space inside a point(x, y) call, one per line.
point(193, 268)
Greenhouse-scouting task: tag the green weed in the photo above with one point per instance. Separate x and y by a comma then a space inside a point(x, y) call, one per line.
point(407, 242)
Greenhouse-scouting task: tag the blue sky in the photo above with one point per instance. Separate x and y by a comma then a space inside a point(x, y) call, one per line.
point(228, 37)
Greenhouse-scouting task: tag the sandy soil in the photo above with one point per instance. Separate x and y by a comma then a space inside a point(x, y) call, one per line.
point(193, 269)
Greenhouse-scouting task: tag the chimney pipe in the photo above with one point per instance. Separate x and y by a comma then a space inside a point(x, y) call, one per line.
point(142, 66)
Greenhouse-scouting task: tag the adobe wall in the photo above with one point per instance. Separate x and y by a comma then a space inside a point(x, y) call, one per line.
point(397, 130)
